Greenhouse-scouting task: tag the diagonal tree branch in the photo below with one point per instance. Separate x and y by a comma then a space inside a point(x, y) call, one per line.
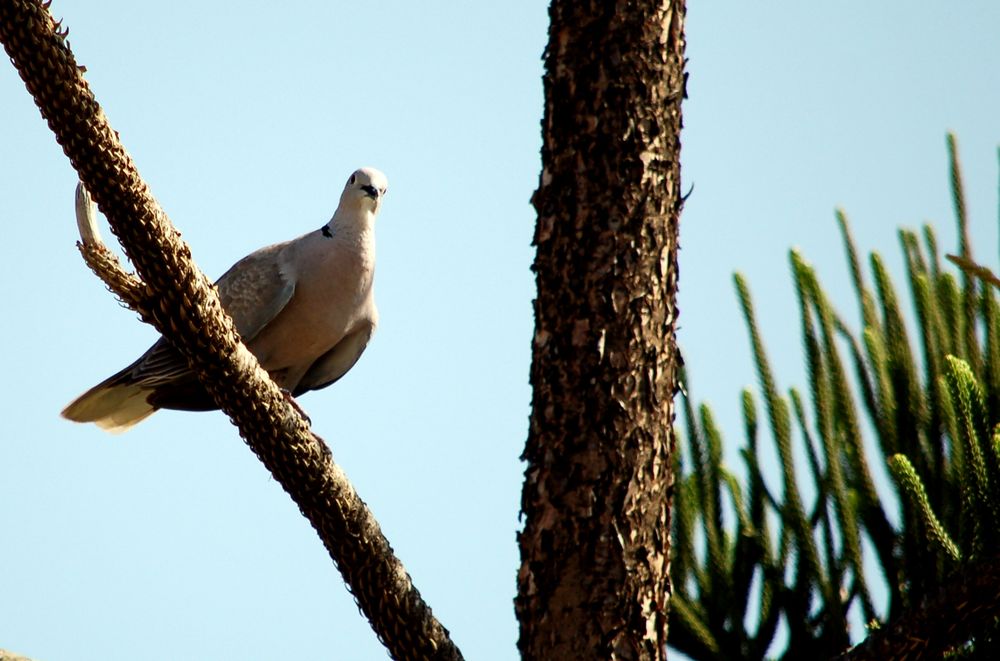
point(182, 304)
point(104, 263)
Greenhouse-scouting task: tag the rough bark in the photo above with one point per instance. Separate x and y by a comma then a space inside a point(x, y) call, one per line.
point(593, 581)
point(178, 299)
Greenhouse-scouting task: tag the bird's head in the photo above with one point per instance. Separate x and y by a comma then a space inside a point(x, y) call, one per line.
point(365, 188)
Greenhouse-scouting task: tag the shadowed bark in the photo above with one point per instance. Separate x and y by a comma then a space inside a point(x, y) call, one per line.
point(966, 608)
point(593, 582)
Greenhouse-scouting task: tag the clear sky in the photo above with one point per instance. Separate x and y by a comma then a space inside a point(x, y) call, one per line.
point(172, 541)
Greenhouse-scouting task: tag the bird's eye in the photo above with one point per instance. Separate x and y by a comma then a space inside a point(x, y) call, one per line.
point(350, 182)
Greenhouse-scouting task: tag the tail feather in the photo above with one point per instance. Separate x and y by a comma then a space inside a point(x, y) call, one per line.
point(113, 407)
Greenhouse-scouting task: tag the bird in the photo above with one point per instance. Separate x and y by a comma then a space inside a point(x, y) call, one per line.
point(305, 308)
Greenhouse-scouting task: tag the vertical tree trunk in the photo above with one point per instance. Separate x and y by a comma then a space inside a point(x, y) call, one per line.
point(593, 581)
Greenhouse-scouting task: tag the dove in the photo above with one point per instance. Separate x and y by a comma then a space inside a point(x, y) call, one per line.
point(305, 308)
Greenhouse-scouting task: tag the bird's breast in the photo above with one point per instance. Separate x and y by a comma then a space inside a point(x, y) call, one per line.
point(333, 298)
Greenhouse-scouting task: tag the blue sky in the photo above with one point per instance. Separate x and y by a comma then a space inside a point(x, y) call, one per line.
point(172, 541)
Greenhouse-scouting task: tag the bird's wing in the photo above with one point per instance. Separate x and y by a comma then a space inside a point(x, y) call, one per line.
point(256, 289)
point(336, 362)
point(253, 292)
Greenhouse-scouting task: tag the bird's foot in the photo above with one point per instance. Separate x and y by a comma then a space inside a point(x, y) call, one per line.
point(295, 405)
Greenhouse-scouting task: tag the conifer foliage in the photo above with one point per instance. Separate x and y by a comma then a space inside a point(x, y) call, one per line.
point(752, 550)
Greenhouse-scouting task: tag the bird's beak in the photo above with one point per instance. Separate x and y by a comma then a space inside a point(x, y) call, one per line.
point(371, 191)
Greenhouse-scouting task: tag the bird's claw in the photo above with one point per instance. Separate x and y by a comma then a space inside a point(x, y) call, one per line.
point(295, 405)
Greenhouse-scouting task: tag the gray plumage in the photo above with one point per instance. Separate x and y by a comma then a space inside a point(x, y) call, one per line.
point(305, 308)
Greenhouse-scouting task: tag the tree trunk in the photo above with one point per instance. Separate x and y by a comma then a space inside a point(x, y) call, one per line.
point(593, 582)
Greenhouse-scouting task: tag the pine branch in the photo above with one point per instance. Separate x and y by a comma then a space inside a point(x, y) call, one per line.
point(911, 486)
point(937, 420)
point(972, 268)
point(792, 510)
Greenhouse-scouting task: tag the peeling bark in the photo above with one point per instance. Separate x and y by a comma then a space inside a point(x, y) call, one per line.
point(593, 582)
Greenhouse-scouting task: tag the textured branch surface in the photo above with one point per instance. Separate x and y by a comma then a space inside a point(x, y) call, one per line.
point(104, 263)
point(188, 311)
point(593, 582)
point(11, 656)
